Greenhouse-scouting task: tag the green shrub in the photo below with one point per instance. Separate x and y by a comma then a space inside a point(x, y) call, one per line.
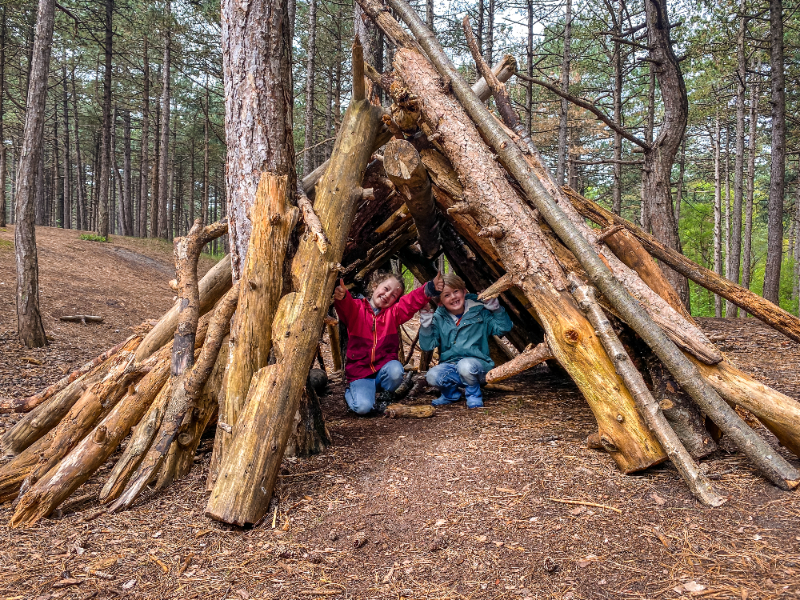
point(90, 237)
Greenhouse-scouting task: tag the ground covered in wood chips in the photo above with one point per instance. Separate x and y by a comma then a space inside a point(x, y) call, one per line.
point(468, 504)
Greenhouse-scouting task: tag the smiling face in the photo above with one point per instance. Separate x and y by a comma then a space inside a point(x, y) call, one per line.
point(453, 299)
point(387, 293)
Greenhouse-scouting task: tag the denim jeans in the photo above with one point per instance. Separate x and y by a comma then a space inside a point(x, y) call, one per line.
point(360, 395)
point(448, 378)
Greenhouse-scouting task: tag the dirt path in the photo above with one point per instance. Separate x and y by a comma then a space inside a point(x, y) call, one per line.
point(463, 505)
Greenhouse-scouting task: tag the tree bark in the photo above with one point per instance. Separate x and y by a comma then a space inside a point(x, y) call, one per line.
point(67, 172)
point(656, 420)
point(777, 173)
point(82, 210)
point(103, 224)
point(273, 219)
point(247, 474)
point(126, 198)
point(755, 93)
point(563, 148)
point(406, 171)
point(144, 161)
point(30, 328)
point(308, 156)
point(2, 116)
point(164, 222)
point(717, 143)
point(258, 109)
point(658, 160)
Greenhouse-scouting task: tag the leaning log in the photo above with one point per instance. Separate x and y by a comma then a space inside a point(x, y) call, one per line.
point(773, 466)
point(766, 311)
point(699, 485)
point(248, 471)
point(273, 218)
point(23, 405)
point(527, 359)
point(406, 171)
point(525, 253)
point(212, 287)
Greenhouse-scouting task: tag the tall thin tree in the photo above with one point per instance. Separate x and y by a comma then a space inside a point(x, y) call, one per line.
point(164, 224)
point(308, 154)
point(29, 320)
point(566, 61)
point(103, 224)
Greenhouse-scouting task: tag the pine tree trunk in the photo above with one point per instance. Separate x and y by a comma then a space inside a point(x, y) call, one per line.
point(204, 207)
point(563, 148)
point(29, 321)
point(127, 199)
point(164, 222)
point(2, 116)
point(777, 184)
point(308, 155)
point(144, 161)
point(82, 214)
point(717, 143)
point(616, 192)
point(67, 175)
point(103, 224)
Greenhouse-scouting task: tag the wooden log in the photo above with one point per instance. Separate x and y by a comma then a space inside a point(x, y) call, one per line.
point(506, 282)
point(84, 414)
point(311, 220)
point(23, 405)
point(405, 169)
point(81, 319)
point(526, 254)
point(310, 435)
point(699, 485)
point(335, 347)
point(502, 71)
point(181, 454)
point(679, 410)
point(213, 286)
point(528, 359)
point(93, 450)
point(247, 475)
point(187, 384)
point(273, 217)
point(762, 309)
point(778, 412)
point(773, 466)
point(404, 411)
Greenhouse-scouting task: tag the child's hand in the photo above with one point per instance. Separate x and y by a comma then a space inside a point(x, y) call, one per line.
point(492, 304)
point(438, 282)
point(426, 317)
point(339, 292)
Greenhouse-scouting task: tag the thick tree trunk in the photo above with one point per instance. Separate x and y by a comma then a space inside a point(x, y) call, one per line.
point(248, 471)
point(659, 159)
point(103, 223)
point(258, 110)
point(777, 173)
point(29, 320)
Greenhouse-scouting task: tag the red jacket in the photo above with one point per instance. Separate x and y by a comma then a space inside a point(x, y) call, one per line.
point(373, 339)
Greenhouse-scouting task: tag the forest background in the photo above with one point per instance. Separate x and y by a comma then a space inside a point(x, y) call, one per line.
point(157, 67)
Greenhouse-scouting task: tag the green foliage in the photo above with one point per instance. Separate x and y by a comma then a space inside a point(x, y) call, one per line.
point(6, 245)
point(90, 237)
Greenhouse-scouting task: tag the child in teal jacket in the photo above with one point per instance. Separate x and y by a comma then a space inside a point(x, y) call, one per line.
point(460, 328)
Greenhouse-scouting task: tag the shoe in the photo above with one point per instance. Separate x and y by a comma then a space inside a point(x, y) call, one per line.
point(383, 400)
point(473, 402)
point(444, 401)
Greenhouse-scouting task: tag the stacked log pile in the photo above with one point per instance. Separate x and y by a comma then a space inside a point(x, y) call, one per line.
point(452, 179)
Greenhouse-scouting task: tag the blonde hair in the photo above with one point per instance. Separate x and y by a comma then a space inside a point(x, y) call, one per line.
point(454, 282)
point(378, 277)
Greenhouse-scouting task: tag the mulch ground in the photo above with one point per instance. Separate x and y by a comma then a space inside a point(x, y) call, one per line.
point(468, 504)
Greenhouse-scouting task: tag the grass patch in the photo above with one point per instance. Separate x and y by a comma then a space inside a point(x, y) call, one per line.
point(90, 237)
point(6, 245)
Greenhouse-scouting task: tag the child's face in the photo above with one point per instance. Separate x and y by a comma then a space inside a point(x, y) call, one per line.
point(387, 293)
point(453, 300)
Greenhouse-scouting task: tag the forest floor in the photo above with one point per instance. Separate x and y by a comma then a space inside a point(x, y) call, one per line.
point(463, 505)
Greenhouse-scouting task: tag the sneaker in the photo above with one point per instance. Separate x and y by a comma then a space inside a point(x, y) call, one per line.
point(383, 400)
point(444, 401)
point(473, 402)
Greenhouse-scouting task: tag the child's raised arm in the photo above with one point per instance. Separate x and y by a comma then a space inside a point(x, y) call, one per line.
point(343, 302)
point(411, 303)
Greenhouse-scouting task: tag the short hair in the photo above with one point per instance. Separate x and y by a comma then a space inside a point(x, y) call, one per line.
point(453, 281)
point(379, 276)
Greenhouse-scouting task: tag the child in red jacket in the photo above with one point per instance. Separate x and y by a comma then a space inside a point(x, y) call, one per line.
point(373, 341)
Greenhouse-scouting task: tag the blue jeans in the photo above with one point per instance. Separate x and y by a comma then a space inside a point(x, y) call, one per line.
point(448, 378)
point(360, 395)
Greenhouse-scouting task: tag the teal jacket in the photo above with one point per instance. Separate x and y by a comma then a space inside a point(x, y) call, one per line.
point(470, 338)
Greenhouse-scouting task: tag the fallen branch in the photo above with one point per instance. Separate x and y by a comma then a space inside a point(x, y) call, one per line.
point(81, 319)
point(311, 220)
